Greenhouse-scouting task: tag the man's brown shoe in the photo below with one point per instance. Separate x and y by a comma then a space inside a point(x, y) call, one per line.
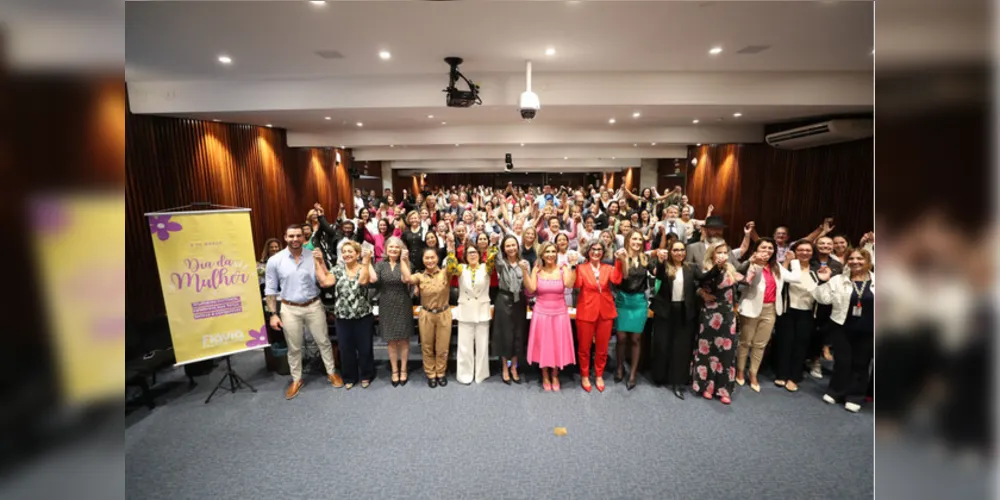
point(335, 380)
point(293, 389)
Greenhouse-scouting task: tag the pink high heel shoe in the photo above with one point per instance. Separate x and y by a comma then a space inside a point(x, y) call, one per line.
point(547, 387)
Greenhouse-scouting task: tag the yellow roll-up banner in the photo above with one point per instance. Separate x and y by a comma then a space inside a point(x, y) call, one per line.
point(209, 277)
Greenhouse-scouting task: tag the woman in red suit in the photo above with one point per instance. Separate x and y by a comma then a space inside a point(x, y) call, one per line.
point(595, 312)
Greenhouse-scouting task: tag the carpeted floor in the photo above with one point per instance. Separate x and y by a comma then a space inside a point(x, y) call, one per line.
point(491, 441)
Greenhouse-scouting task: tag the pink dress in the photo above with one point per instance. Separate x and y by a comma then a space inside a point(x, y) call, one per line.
point(550, 340)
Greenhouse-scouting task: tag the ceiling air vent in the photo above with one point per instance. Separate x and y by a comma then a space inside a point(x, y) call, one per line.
point(819, 134)
point(329, 54)
point(753, 49)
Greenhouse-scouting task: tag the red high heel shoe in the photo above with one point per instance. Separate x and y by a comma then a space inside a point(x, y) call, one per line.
point(706, 395)
point(725, 400)
point(586, 387)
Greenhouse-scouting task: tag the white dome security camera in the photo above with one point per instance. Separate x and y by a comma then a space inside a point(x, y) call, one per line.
point(529, 104)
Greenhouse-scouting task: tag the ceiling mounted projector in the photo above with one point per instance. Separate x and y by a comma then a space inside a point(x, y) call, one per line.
point(460, 98)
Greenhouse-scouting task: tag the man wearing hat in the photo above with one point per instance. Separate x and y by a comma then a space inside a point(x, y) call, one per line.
point(712, 231)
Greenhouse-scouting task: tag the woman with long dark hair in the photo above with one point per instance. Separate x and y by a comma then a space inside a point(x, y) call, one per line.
point(509, 310)
point(378, 240)
point(761, 305)
point(675, 313)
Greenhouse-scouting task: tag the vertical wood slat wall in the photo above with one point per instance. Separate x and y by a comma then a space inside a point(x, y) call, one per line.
point(174, 162)
point(775, 187)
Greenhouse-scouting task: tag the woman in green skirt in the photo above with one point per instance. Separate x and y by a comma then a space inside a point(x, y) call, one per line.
point(632, 304)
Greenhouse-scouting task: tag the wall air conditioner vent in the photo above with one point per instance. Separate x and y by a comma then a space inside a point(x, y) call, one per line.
point(820, 134)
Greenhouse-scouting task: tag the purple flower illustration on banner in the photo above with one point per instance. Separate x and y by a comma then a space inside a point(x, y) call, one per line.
point(259, 337)
point(162, 226)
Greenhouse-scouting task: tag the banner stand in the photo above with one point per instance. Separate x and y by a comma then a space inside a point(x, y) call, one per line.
point(235, 381)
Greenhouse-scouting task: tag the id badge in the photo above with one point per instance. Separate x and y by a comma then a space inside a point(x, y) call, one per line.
point(856, 310)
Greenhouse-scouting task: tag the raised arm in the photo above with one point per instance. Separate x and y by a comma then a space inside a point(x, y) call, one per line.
point(324, 278)
point(530, 277)
point(568, 276)
point(367, 274)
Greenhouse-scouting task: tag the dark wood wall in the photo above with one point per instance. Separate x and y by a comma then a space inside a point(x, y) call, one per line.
point(175, 162)
point(629, 176)
point(775, 187)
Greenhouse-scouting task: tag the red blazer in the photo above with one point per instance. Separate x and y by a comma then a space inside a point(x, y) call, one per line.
point(596, 302)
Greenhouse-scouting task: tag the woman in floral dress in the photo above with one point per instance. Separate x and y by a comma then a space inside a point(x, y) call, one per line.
point(714, 372)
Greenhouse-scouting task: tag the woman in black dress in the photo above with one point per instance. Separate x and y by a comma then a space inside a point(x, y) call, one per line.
point(675, 316)
point(510, 322)
point(714, 372)
point(395, 309)
point(413, 238)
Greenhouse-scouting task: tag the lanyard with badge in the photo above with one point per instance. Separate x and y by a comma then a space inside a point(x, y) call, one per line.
point(856, 310)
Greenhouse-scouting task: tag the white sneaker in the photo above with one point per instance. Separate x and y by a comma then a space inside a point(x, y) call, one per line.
point(828, 399)
point(817, 371)
point(851, 407)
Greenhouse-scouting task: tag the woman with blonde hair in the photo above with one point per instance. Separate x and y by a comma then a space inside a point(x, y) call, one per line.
point(395, 309)
point(550, 338)
point(355, 322)
point(633, 307)
point(714, 372)
point(852, 295)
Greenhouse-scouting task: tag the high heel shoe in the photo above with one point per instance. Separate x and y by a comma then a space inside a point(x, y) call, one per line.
point(600, 385)
point(555, 386)
point(679, 392)
point(546, 386)
point(619, 378)
point(403, 379)
point(587, 387)
point(630, 385)
point(395, 379)
point(505, 380)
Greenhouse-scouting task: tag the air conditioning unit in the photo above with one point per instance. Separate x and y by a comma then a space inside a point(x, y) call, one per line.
point(819, 134)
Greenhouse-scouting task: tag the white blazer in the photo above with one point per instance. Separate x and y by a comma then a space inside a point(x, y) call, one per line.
point(837, 292)
point(473, 300)
point(753, 295)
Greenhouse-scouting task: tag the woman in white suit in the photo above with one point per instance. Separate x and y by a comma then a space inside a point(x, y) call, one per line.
point(852, 295)
point(761, 305)
point(473, 314)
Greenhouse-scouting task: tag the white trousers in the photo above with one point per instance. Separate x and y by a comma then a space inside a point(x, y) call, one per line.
point(473, 352)
point(295, 320)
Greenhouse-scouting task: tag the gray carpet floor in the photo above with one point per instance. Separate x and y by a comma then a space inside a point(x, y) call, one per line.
point(492, 441)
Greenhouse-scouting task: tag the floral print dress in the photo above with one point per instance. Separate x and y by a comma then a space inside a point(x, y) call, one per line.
point(714, 370)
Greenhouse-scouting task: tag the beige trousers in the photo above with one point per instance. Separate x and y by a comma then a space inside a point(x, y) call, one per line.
point(754, 336)
point(295, 320)
point(473, 357)
point(435, 337)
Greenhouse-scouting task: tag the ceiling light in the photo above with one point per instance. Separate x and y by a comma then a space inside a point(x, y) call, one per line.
point(327, 118)
point(551, 51)
point(695, 121)
point(444, 123)
point(341, 146)
point(456, 145)
point(360, 124)
point(522, 144)
point(430, 117)
point(385, 55)
point(216, 120)
point(391, 146)
point(317, 2)
point(715, 51)
point(652, 144)
point(737, 114)
point(694, 161)
point(636, 114)
point(268, 125)
point(611, 121)
point(635, 145)
point(565, 157)
point(699, 144)
point(224, 59)
point(612, 157)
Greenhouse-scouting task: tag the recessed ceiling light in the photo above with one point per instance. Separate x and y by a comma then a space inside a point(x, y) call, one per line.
point(430, 117)
point(327, 118)
point(317, 2)
point(360, 124)
point(551, 51)
point(268, 125)
point(737, 114)
point(699, 144)
point(715, 51)
point(612, 157)
point(565, 157)
point(444, 123)
point(636, 114)
point(224, 59)
point(611, 121)
point(384, 55)
point(635, 145)
point(456, 145)
point(522, 144)
point(216, 120)
point(695, 121)
point(652, 144)
point(391, 146)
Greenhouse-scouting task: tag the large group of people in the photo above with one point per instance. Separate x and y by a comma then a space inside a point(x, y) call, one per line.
point(546, 277)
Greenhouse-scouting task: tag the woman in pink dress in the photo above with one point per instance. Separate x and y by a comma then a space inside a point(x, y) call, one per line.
point(550, 339)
